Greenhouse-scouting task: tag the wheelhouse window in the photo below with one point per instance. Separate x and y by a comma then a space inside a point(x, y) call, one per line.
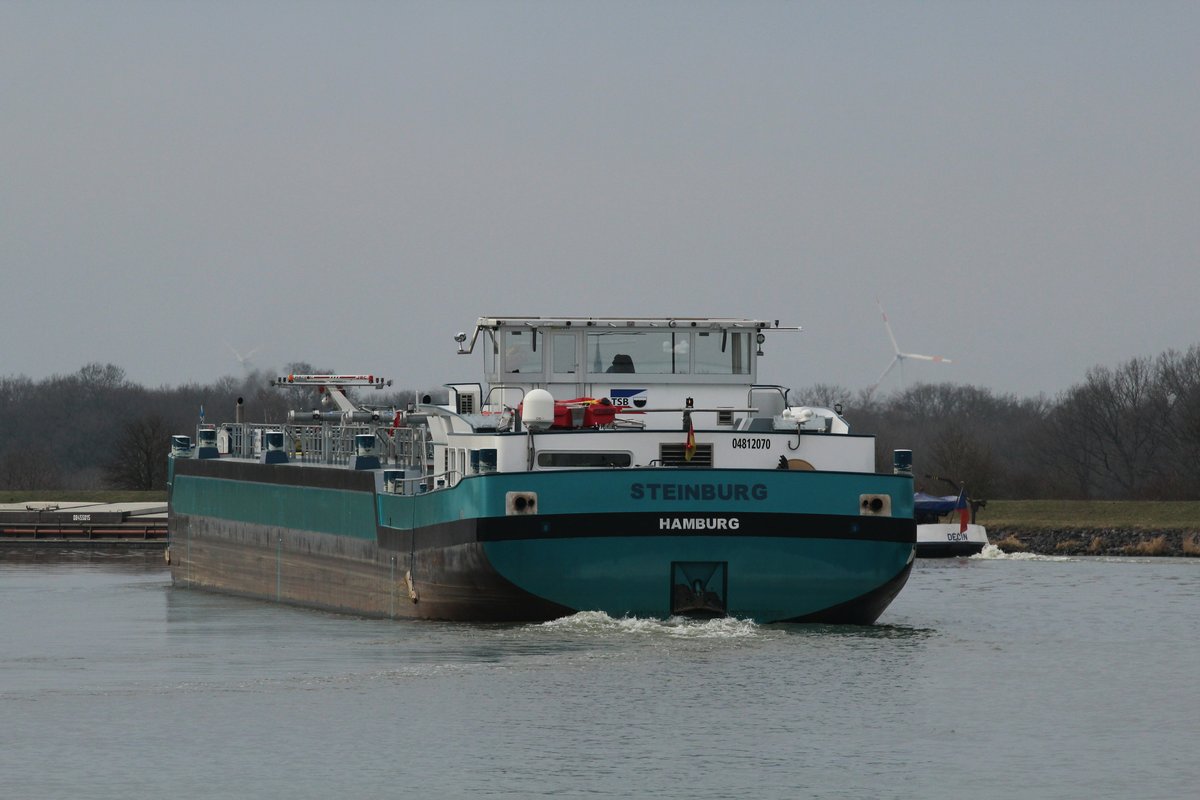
point(491, 352)
point(665, 352)
point(723, 352)
point(565, 361)
point(575, 459)
point(522, 352)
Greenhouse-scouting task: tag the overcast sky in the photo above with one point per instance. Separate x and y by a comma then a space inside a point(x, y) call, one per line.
point(350, 184)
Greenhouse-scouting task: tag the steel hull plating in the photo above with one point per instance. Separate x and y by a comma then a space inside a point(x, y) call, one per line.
point(767, 545)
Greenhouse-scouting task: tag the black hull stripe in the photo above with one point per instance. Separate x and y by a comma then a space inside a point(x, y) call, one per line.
point(790, 526)
point(948, 549)
point(577, 526)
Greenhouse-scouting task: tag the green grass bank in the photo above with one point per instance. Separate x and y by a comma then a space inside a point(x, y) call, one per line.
point(1059, 514)
point(1094, 527)
point(81, 495)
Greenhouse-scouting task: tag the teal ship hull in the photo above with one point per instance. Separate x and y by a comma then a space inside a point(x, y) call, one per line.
point(767, 545)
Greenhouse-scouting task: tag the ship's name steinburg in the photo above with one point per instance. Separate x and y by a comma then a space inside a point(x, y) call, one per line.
point(697, 491)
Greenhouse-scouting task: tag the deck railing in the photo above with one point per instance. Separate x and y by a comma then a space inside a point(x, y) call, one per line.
point(327, 443)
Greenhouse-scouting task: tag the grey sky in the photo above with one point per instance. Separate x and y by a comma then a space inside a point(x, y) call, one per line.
point(351, 183)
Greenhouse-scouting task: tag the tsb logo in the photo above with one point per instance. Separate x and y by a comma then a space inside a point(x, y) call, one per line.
point(628, 398)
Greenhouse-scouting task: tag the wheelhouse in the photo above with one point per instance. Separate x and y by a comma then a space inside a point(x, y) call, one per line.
point(635, 362)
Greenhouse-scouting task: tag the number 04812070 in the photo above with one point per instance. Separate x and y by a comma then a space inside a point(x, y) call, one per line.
point(751, 443)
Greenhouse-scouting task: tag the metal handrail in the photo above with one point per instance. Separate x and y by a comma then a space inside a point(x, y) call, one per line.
point(431, 479)
point(328, 443)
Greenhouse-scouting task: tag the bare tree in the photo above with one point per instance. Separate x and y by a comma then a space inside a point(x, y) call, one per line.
point(959, 456)
point(1111, 432)
point(140, 459)
point(29, 468)
point(1179, 374)
point(824, 395)
point(1063, 449)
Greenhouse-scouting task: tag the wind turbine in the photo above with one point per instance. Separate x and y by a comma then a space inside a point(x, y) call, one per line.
point(243, 358)
point(899, 357)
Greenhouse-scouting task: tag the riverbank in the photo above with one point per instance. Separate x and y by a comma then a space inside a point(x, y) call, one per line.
point(1096, 541)
point(1094, 527)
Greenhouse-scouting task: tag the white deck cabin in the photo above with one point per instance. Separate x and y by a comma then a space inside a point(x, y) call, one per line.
point(654, 374)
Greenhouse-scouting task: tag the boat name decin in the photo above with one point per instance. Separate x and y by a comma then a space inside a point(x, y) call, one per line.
point(698, 491)
point(699, 523)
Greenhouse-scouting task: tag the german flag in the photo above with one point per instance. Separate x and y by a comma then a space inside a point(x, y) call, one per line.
point(689, 449)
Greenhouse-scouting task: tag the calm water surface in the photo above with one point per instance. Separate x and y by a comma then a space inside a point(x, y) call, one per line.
point(988, 677)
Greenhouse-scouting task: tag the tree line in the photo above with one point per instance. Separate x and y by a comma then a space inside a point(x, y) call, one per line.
point(1128, 432)
point(96, 429)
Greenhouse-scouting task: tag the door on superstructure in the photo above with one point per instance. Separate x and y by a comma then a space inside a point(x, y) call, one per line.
point(566, 372)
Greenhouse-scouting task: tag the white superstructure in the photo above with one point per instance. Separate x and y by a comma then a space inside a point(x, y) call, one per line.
point(624, 392)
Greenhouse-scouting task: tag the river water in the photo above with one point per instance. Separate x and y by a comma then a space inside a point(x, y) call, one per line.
point(991, 677)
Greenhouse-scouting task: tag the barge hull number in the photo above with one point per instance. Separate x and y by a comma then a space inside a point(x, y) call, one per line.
point(751, 443)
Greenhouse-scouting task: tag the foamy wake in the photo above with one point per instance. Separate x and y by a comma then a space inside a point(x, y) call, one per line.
point(992, 552)
point(597, 622)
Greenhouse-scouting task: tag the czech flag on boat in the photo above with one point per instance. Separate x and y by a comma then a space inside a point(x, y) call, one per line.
point(964, 511)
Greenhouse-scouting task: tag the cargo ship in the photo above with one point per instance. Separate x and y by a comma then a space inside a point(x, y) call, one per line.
point(630, 466)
